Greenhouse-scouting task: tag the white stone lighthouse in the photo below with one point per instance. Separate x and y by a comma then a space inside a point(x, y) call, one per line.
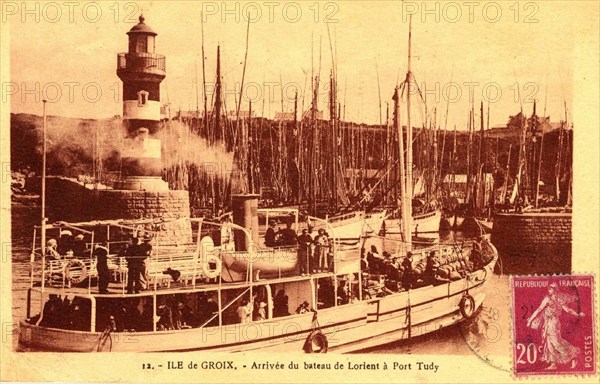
point(141, 71)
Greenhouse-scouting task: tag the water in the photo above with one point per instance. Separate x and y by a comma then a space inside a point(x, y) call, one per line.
point(486, 335)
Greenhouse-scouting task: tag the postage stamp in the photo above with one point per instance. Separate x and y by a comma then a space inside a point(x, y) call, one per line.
point(553, 323)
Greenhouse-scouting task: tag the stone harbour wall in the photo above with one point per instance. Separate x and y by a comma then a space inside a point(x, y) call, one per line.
point(69, 200)
point(533, 242)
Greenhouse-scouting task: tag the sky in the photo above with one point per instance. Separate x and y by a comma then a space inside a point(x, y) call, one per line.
point(506, 54)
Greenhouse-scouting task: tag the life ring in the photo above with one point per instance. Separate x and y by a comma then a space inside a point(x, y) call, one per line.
point(467, 306)
point(209, 272)
point(76, 271)
point(316, 342)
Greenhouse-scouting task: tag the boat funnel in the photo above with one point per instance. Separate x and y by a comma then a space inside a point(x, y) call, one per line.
point(245, 214)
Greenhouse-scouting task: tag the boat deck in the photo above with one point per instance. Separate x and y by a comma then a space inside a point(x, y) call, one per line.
point(118, 290)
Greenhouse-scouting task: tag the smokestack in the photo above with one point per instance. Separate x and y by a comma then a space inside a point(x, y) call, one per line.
point(245, 214)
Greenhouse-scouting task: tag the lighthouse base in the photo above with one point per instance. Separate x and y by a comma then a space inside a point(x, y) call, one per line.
point(143, 183)
point(166, 213)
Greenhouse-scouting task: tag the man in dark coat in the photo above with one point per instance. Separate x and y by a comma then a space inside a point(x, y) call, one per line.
point(145, 250)
point(270, 235)
point(79, 248)
point(393, 275)
point(101, 254)
point(65, 242)
point(132, 255)
point(288, 235)
point(407, 274)
point(304, 243)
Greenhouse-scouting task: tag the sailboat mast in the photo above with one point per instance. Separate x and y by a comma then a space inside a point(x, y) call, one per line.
point(205, 116)
point(398, 128)
point(43, 197)
point(407, 213)
point(43, 238)
point(218, 95)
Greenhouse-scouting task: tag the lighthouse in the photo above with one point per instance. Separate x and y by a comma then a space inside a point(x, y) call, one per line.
point(141, 70)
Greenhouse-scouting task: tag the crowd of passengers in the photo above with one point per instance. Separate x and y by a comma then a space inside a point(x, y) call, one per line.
point(385, 274)
point(382, 275)
point(136, 252)
point(65, 313)
point(314, 254)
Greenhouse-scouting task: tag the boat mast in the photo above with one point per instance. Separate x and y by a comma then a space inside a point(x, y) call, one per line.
point(43, 197)
point(398, 128)
point(407, 213)
point(205, 115)
point(479, 194)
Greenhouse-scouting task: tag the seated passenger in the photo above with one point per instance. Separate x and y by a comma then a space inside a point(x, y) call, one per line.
point(51, 249)
point(327, 293)
point(165, 322)
point(243, 313)
point(262, 311)
point(431, 268)
point(270, 235)
point(79, 247)
point(374, 261)
point(342, 293)
point(52, 313)
point(393, 274)
point(65, 242)
point(280, 304)
point(185, 317)
point(303, 308)
point(287, 236)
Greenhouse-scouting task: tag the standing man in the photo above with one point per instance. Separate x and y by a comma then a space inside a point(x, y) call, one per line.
point(227, 240)
point(305, 241)
point(131, 254)
point(101, 255)
point(145, 250)
point(322, 249)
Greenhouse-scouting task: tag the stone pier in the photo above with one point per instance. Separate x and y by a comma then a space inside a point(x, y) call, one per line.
point(533, 242)
point(69, 200)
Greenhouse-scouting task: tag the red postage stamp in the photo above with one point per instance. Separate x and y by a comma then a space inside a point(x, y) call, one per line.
point(553, 322)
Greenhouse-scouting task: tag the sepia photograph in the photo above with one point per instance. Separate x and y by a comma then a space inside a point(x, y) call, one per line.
point(408, 189)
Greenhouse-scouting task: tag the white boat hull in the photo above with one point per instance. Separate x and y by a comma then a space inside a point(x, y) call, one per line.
point(353, 226)
point(426, 223)
point(351, 327)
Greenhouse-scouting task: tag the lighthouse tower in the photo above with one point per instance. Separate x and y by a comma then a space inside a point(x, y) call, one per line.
point(141, 71)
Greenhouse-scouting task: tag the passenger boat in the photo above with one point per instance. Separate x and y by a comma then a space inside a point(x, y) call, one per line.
point(346, 310)
point(201, 296)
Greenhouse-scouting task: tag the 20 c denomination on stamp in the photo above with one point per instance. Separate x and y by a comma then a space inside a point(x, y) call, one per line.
point(553, 325)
